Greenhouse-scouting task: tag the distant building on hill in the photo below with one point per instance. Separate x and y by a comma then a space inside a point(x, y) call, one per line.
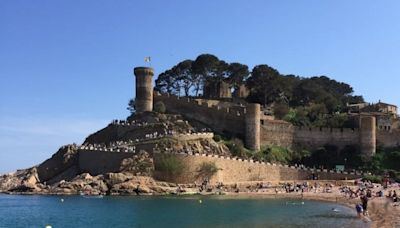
point(378, 107)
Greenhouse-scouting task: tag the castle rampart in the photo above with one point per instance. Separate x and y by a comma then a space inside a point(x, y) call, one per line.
point(234, 170)
point(234, 120)
point(312, 138)
point(276, 132)
point(221, 120)
point(388, 138)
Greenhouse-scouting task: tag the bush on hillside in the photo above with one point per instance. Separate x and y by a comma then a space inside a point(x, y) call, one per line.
point(160, 107)
point(170, 166)
point(207, 169)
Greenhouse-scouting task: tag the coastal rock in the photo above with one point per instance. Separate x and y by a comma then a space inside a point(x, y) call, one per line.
point(144, 189)
point(117, 178)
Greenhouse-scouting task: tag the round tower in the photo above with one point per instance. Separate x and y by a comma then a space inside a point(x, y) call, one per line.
point(368, 135)
point(252, 122)
point(144, 89)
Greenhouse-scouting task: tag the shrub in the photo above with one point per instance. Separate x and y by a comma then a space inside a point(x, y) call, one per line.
point(277, 154)
point(160, 107)
point(236, 148)
point(207, 169)
point(217, 138)
point(170, 165)
point(280, 110)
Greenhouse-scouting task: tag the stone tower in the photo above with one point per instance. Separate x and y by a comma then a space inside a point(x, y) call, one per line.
point(144, 89)
point(368, 135)
point(252, 122)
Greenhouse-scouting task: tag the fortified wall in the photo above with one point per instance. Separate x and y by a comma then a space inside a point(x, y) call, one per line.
point(234, 170)
point(313, 138)
point(222, 120)
point(248, 124)
point(236, 121)
point(388, 138)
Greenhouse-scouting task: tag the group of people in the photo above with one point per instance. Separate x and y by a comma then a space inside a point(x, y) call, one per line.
point(366, 191)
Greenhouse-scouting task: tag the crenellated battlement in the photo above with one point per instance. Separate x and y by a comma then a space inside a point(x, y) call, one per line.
point(234, 111)
point(234, 169)
point(326, 130)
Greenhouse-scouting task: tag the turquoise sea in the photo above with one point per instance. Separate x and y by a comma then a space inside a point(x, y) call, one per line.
point(154, 211)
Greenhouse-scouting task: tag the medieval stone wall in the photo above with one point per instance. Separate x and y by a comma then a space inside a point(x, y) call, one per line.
point(312, 138)
point(231, 120)
point(276, 132)
point(234, 170)
point(222, 120)
point(388, 138)
point(100, 162)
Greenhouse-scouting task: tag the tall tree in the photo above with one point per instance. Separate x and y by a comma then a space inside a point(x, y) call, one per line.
point(263, 84)
point(165, 82)
point(237, 74)
point(183, 75)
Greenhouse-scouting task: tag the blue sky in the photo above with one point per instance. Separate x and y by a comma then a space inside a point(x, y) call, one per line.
point(66, 66)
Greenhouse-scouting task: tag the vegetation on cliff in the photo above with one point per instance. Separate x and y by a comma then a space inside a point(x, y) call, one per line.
point(170, 166)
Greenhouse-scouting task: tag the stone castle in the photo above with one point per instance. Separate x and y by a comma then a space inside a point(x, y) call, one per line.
point(139, 146)
point(250, 123)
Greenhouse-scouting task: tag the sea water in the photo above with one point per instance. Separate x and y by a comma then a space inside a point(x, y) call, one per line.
point(157, 211)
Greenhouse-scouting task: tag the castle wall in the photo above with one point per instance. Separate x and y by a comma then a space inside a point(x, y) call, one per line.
point(388, 138)
point(232, 170)
point(312, 138)
point(232, 120)
point(275, 132)
point(100, 162)
point(222, 120)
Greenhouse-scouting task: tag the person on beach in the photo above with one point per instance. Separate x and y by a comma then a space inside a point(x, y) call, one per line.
point(359, 210)
point(364, 202)
point(395, 198)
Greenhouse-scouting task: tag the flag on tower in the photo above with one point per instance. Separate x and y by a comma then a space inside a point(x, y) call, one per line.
point(147, 59)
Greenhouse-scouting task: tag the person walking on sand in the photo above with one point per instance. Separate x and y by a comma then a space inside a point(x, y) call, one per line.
point(364, 202)
point(359, 210)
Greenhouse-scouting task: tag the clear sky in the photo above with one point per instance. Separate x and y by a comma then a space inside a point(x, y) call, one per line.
point(66, 66)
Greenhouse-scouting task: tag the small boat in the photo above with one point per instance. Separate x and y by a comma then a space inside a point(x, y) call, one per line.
point(91, 195)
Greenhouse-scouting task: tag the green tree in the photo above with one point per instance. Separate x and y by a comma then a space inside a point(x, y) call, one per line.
point(263, 84)
point(131, 106)
point(280, 110)
point(159, 107)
